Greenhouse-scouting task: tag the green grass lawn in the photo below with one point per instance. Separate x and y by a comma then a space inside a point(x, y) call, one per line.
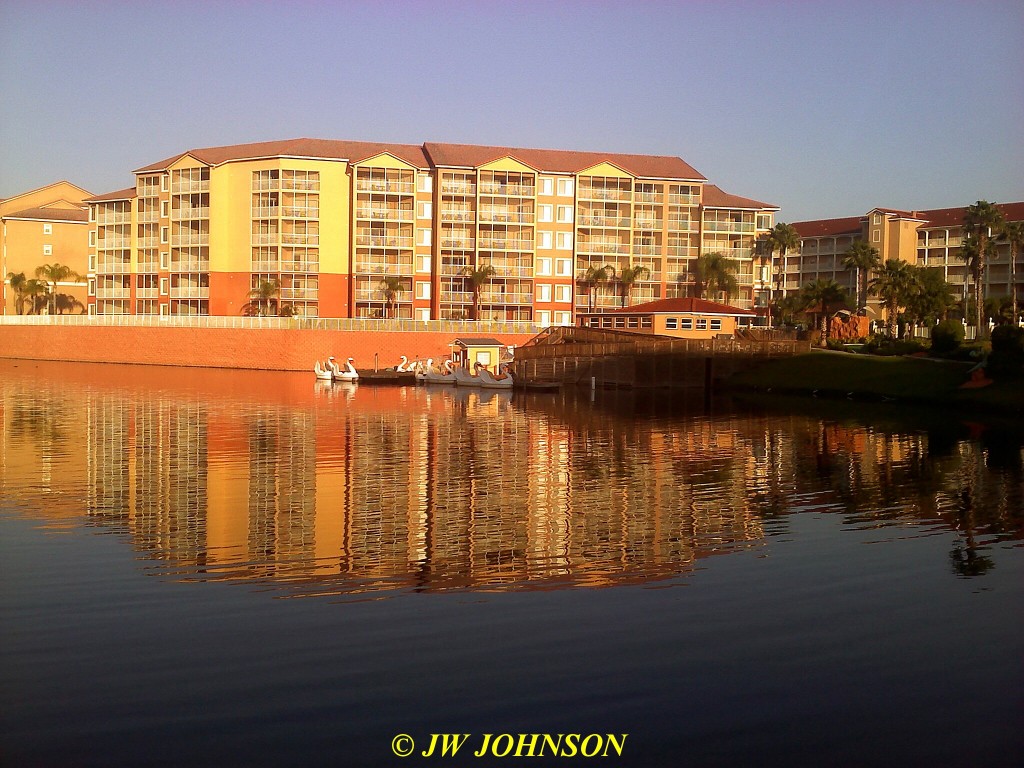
point(907, 379)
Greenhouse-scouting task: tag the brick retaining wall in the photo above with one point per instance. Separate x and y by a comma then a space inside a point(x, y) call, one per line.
point(276, 349)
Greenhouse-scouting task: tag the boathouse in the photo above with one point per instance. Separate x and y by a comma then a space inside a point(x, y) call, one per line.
point(682, 318)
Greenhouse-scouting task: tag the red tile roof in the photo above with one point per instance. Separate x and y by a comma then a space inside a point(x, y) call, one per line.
point(714, 197)
point(954, 217)
point(121, 194)
point(352, 151)
point(431, 153)
point(687, 304)
point(851, 225)
point(51, 214)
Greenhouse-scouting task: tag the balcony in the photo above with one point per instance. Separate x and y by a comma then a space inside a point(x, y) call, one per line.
point(266, 185)
point(190, 186)
point(265, 238)
point(113, 218)
point(648, 197)
point(456, 297)
point(109, 243)
point(300, 238)
point(113, 268)
point(117, 292)
point(148, 242)
point(300, 212)
point(680, 225)
point(265, 266)
point(191, 239)
point(505, 245)
point(729, 226)
point(681, 252)
point(506, 190)
point(458, 188)
point(384, 266)
point(683, 199)
point(149, 217)
point(300, 184)
point(147, 293)
point(299, 293)
point(608, 222)
point(190, 265)
point(382, 241)
point(452, 270)
point(604, 193)
point(512, 270)
point(148, 266)
point(649, 224)
point(386, 214)
point(190, 212)
point(390, 187)
point(457, 215)
point(508, 297)
point(602, 246)
point(514, 217)
point(190, 292)
point(647, 250)
point(458, 244)
point(300, 266)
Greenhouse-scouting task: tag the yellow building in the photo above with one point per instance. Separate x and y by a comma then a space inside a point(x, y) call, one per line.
point(362, 229)
point(44, 226)
point(926, 238)
point(683, 317)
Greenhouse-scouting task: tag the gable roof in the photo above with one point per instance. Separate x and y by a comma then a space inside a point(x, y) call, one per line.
point(121, 194)
point(714, 197)
point(680, 304)
point(51, 214)
point(559, 160)
point(326, 149)
point(954, 217)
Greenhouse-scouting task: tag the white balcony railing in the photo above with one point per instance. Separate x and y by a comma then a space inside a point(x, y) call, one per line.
point(190, 292)
point(190, 212)
point(190, 265)
point(189, 187)
point(510, 190)
point(113, 268)
point(197, 238)
point(106, 243)
point(380, 185)
point(117, 292)
point(381, 241)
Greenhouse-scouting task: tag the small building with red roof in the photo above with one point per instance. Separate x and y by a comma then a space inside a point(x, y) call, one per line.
point(681, 317)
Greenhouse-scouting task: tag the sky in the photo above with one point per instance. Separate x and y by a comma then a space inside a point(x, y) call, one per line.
point(825, 109)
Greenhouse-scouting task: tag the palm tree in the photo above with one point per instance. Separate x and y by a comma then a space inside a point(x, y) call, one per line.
point(478, 278)
point(36, 291)
point(392, 287)
point(865, 259)
point(1012, 231)
point(627, 279)
point(895, 284)
point(18, 282)
point(981, 221)
point(53, 274)
point(263, 298)
point(592, 278)
point(829, 294)
point(782, 238)
point(715, 274)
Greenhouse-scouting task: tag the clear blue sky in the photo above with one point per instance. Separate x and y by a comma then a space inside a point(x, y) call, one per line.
point(825, 108)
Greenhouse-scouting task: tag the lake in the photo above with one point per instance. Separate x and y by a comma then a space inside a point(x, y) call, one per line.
point(209, 567)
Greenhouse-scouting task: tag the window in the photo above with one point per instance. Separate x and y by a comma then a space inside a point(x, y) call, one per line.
point(163, 209)
point(92, 262)
point(878, 219)
point(423, 315)
point(564, 241)
point(563, 318)
point(424, 210)
point(47, 229)
point(563, 293)
point(423, 236)
point(876, 236)
point(563, 267)
point(686, 323)
point(92, 287)
point(565, 187)
point(425, 182)
point(543, 292)
point(544, 267)
point(422, 290)
point(547, 186)
point(163, 235)
point(92, 238)
point(544, 316)
point(544, 240)
point(423, 264)
point(545, 212)
point(92, 213)
point(671, 323)
point(716, 325)
point(163, 183)
point(620, 322)
point(165, 285)
point(565, 214)
point(164, 261)
point(702, 324)
point(764, 221)
point(47, 250)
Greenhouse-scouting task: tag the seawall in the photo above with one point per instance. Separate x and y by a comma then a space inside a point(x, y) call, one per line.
point(273, 344)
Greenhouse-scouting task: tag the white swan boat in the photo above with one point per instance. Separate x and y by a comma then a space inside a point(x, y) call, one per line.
point(348, 374)
point(431, 375)
point(325, 370)
point(463, 378)
point(488, 380)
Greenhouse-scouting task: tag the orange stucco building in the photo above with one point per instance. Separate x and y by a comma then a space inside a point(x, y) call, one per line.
point(327, 223)
point(43, 226)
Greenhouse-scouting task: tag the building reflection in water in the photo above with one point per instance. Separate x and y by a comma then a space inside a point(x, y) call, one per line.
point(342, 489)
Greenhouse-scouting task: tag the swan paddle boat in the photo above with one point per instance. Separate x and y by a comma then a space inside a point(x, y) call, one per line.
point(325, 370)
point(487, 380)
point(433, 375)
point(349, 373)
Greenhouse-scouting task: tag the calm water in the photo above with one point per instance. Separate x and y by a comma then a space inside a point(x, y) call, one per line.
point(216, 568)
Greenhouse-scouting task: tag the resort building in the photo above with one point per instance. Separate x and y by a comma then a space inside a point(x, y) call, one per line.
point(685, 318)
point(43, 226)
point(322, 228)
point(925, 238)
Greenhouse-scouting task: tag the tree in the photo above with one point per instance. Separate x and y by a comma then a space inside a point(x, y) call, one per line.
point(628, 277)
point(263, 298)
point(592, 278)
point(53, 274)
point(782, 238)
point(478, 278)
point(65, 302)
point(895, 284)
point(1013, 232)
point(18, 282)
point(981, 221)
point(715, 273)
point(826, 293)
point(37, 292)
point(392, 287)
point(933, 298)
point(865, 259)
point(997, 310)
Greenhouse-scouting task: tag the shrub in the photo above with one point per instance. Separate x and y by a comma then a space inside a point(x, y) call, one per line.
point(947, 336)
point(1007, 350)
